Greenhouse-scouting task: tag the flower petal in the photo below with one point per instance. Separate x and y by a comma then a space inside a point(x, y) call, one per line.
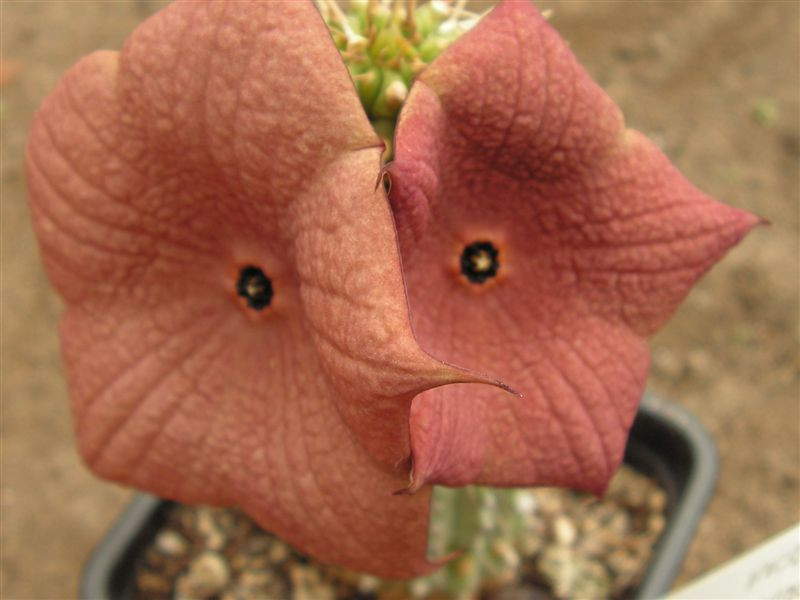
point(226, 136)
point(505, 139)
point(352, 291)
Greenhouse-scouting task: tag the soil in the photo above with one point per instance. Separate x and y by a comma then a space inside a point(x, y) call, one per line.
point(714, 82)
point(567, 545)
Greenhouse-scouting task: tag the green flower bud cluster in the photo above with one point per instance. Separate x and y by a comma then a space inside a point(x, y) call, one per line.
point(386, 43)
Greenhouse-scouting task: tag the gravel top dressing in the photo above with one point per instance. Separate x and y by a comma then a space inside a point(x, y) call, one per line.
point(577, 547)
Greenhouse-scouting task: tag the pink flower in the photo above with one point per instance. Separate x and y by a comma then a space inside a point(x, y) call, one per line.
point(236, 328)
point(506, 142)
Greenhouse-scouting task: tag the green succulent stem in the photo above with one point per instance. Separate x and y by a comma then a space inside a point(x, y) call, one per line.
point(487, 527)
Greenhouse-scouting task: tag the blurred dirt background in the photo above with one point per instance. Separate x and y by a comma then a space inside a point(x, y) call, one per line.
point(714, 82)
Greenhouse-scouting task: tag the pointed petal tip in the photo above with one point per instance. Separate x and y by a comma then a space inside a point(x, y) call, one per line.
point(732, 224)
point(745, 222)
point(507, 388)
point(749, 220)
point(452, 374)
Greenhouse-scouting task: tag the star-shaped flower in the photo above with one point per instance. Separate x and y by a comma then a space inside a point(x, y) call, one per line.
point(542, 241)
point(236, 329)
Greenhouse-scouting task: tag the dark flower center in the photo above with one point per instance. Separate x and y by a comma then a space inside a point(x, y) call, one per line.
point(255, 287)
point(479, 261)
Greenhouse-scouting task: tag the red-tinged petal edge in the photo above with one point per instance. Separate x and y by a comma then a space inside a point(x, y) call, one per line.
point(505, 139)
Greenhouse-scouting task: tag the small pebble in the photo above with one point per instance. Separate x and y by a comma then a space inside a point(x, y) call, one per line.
point(564, 531)
point(368, 584)
point(420, 588)
point(655, 524)
point(594, 581)
point(618, 525)
point(557, 564)
point(257, 585)
point(525, 501)
point(207, 576)
point(278, 551)
point(657, 500)
point(571, 575)
point(550, 501)
point(624, 564)
point(171, 543)
point(213, 534)
point(308, 585)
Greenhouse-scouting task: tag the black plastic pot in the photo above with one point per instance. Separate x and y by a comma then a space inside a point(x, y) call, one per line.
point(666, 443)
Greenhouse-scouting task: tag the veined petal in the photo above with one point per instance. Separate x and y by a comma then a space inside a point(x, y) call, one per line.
point(226, 143)
point(352, 292)
point(506, 144)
